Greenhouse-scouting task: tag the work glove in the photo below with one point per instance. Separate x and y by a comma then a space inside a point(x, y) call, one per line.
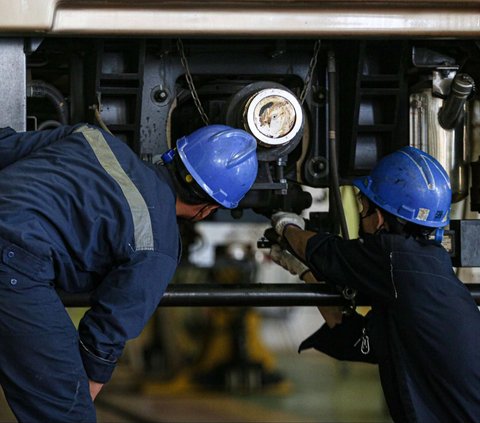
point(281, 220)
point(288, 261)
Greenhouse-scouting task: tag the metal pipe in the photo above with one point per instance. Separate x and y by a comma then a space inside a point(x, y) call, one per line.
point(449, 147)
point(247, 295)
point(42, 89)
point(49, 124)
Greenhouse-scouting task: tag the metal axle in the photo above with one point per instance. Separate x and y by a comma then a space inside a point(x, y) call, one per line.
point(247, 295)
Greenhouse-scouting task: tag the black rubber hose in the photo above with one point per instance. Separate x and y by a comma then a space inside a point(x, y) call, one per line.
point(41, 89)
point(332, 138)
point(451, 114)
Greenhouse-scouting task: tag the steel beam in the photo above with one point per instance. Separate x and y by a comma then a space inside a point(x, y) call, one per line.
point(247, 295)
point(13, 84)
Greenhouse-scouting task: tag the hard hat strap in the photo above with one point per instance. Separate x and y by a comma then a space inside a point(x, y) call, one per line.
point(187, 188)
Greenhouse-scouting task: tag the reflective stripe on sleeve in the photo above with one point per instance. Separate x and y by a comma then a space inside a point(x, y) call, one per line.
point(140, 215)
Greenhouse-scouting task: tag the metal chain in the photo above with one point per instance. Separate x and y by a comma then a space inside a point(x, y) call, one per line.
point(311, 68)
point(196, 98)
point(191, 85)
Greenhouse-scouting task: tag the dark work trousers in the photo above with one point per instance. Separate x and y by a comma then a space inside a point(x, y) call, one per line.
point(41, 371)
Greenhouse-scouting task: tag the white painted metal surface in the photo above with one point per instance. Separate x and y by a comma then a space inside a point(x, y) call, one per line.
point(242, 18)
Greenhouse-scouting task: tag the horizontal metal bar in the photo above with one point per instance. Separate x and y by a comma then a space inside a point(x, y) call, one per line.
point(373, 18)
point(242, 295)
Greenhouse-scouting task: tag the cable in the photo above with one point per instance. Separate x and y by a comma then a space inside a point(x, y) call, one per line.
point(332, 137)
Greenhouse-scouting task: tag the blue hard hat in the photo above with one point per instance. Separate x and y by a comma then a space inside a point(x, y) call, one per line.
point(222, 160)
point(411, 185)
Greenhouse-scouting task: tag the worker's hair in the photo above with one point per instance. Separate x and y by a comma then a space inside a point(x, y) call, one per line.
point(399, 226)
point(186, 187)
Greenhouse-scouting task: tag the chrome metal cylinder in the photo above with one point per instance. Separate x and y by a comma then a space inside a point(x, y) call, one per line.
point(448, 146)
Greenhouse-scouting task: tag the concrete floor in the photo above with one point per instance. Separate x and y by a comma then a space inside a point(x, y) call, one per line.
point(316, 389)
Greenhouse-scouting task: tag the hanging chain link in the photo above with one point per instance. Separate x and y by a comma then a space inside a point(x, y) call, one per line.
point(196, 98)
point(311, 68)
point(191, 85)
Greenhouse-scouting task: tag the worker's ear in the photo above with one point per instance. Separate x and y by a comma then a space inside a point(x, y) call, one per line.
point(380, 219)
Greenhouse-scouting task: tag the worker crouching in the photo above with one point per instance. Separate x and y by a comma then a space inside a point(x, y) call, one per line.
point(423, 328)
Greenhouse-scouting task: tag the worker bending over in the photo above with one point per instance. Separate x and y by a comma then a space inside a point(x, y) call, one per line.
point(80, 212)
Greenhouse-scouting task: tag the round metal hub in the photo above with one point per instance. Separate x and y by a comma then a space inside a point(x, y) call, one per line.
point(274, 116)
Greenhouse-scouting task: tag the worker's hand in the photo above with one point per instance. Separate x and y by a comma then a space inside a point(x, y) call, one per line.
point(280, 220)
point(95, 388)
point(288, 261)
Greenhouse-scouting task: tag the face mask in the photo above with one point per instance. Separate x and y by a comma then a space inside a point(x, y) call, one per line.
point(361, 232)
point(358, 198)
point(363, 213)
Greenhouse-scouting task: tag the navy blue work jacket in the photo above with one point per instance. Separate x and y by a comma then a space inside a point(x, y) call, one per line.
point(423, 329)
point(86, 213)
